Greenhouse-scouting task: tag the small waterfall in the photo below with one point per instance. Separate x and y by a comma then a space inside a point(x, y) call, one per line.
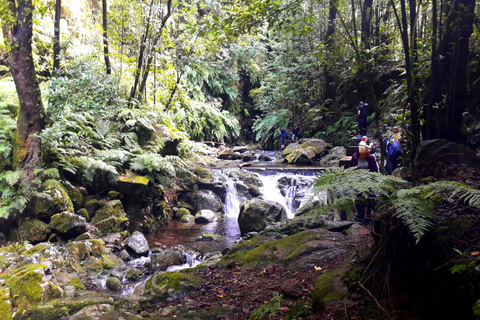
point(193, 259)
point(232, 202)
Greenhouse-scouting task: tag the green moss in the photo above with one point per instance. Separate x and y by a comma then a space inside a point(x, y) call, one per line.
point(113, 283)
point(60, 200)
point(134, 179)
point(25, 284)
point(163, 286)
point(76, 282)
point(182, 212)
point(111, 218)
point(5, 304)
point(105, 262)
point(203, 174)
point(43, 313)
point(84, 213)
point(254, 251)
point(33, 231)
point(77, 303)
point(326, 288)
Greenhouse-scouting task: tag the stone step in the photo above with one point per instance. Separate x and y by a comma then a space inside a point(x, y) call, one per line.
point(345, 162)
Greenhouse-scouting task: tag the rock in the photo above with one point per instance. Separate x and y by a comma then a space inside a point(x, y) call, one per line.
point(33, 231)
point(84, 213)
point(113, 283)
point(131, 183)
point(256, 214)
point(291, 288)
point(203, 199)
point(91, 312)
point(160, 261)
point(264, 157)
point(249, 178)
point(332, 158)
point(59, 202)
point(248, 157)
point(111, 217)
point(114, 195)
point(205, 216)
point(92, 206)
point(329, 288)
point(182, 212)
point(229, 155)
point(305, 153)
point(188, 218)
point(170, 286)
point(75, 195)
point(203, 175)
point(133, 274)
point(137, 244)
point(84, 249)
point(67, 224)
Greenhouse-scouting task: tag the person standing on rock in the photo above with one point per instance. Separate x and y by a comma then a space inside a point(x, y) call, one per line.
point(295, 133)
point(362, 114)
point(283, 137)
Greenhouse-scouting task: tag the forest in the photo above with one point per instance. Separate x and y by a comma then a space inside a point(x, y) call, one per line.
point(120, 119)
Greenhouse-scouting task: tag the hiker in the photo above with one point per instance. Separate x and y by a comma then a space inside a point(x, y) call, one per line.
point(366, 161)
point(295, 133)
point(283, 137)
point(362, 114)
point(365, 143)
point(393, 151)
point(396, 135)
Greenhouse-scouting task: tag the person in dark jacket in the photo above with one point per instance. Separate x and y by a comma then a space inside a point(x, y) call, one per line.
point(362, 114)
point(283, 137)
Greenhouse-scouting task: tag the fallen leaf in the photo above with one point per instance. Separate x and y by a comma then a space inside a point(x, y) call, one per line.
point(475, 253)
point(317, 268)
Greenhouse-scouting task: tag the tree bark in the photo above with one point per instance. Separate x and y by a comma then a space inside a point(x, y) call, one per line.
point(367, 14)
point(56, 38)
point(105, 36)
point(31, 115)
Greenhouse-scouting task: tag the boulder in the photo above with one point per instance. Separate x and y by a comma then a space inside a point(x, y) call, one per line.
point(203, 199)
point(256, 214)
point(182, 212)
point(264, 157)
point(111, 217)
point(59, 202)
point(332, 158)
point(188, 218)
point(131, 183)
point(170, 286)
point(160, 261)
point(305, 153)
point(205, 216)
point(248, 157)
point(133, 274)
point(329, 289)
point(137, 244)
point(113, 283)
point(75, 195)
point(229, 155)
point(68, 225)
point(33, 231)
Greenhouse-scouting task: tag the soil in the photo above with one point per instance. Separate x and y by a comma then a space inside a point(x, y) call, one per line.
point(239, 291)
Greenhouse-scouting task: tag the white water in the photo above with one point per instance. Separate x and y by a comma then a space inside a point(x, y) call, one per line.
point(232, 202)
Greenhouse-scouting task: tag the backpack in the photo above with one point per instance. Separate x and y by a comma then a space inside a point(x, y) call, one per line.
point(393, 149)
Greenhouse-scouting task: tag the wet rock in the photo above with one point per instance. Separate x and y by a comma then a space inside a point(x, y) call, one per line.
point(124, 255)
point(90, 312)
point(248, 157)
point(332, 158)
point(113, 283)
point(169, 286)
point(264, 157)
point(182, 212)
point(229, 155)
point(203, 174)
point(188, 218)
point(67, 224)
point(132, 184)
point(137, 244)
point(163, 259)
point(306, 153)
point(81, 250)
point(133, 274)
point(206, 216)
point(329, 288)
point(203, 199)
point(256, 214)
point(92, 206)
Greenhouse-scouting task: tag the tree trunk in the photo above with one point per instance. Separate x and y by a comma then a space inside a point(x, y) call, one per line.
point(105, 37)
point(367, 14)
point(450, 92)
point(329, 77)
point(31, 115)
point(56, 38)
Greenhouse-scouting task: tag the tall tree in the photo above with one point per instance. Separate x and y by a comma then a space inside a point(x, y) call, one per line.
point(449, 94)
point(367, 14)
point(56, 37)
point(31, 115)
point(105, 36)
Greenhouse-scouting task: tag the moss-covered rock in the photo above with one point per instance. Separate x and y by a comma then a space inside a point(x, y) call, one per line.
point(188, 218)
point(68, 224)
point(256, 214)
point(6, 311)
point(75, 195)
point(26, 285)
point(60, 201)
point(203, 174)
point(84, 249)
point(84, 213)
point(329, 287)
point(84, 299)
point(43, 313)
point(131, 183)
point(111, 217)
point(133, 274)
point(103, 263)
point(170, 286)
point(92, 206)
point(114, 195)
point(113, 283)
point(34, 231)
point(182, 212)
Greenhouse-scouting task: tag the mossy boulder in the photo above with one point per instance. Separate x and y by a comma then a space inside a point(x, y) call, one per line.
point(294, 251)
point(6, 311)
point(182, 212)
point(229, 154)
point(68, 225)
point(161, 260)
point(133, 274)
point(84, 249)
point(205, 216)
point(75, 195)
point(34, 231)
point(169, 286)
point(131, 183)
point(329, 288)
point(111, 217)
point(302, 156)
point(60, 201)
point(188, 218)
point(256, 214)
point(202, 199)
point(80, 301)
point(92, 206)
point(203, 174)
point(114, 195)
point(103, 263)
point(113, 283)
point(43, 313)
